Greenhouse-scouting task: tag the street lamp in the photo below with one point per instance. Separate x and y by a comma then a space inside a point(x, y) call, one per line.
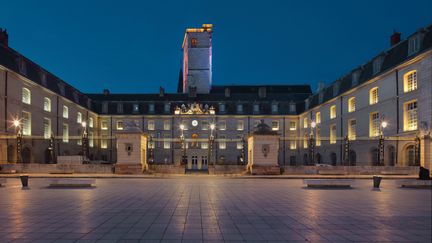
point(182, 139)
point(312, 143)
point(383, 125)
point(17, 125)
point(211, 140)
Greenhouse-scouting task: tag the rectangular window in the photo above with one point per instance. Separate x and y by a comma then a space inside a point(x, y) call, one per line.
point(26, 96)
point(333, 134)
point(240, 125)
point(167, 142)
point(318, 118)
point(65, 133)
point(91, 122)
point(151, 108)
point(373, 96)
point(167, 125)
point(318, 137)
point(305, 122)
point(91, 140)
point(105, 107)
point(104, 125)
point(222, 125)
point(352, 129)
point(293, 145)
point(222, 107)
point(239, 143)
point(256, 108)
point(410, 81)
point(374, 124)
point(26, 123)
point(119, 108)
point(167, 108)
point(222, 142)
point(104, 142)
point(65, 112)
point(79, 117)
point(239, 108)
point(275, 108)
point(47, 104)
point(351, 104)
point(332, 112)
point(410, 116)
point(305, 141)
point(204, 125)
point(151, 125)
point(135, 108)
point(47, 128)
point(293, 125)
point(119, 125)
point(275, 125)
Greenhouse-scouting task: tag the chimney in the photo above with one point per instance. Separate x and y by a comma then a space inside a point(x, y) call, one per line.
point(395, 38)
point(106, 92)
point(4, 38)
point(227, 92)
point(161, 92)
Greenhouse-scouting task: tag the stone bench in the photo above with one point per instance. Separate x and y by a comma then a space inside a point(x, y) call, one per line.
point(329, 183)
point(332, 172)
point(394, 173)
point(71, 182)
point(2, 181)
point(413, 183)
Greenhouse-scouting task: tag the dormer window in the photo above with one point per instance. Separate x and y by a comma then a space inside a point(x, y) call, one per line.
point(336, 88)
point(43, 78)
point(119, 108)
point(413, 44)
point(239, 108)
point(275, 108)
point(105, 107)
point(167, 108)
point(76, 97)
point(355, 78)
point(222, 108)
point(151, 108)
point(377, 64)
point(292, 107)
point(61, 89)
point(135, 108)
point(256, 108)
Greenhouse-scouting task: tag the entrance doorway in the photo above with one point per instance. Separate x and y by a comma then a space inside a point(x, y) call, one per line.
point(197, 163)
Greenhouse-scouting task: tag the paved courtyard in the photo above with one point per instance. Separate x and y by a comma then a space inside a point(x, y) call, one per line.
point(209, 209)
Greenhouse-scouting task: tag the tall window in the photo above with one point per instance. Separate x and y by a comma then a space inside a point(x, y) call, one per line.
point(151, 125)
point(352, 129)
point(240, 125)
point(47, 128)
point(91, 124)
point(104, 142)
point(318, 118)
point(222, 125)
point(373, 96)
point(91, 140)
point(167, 125)
point(79, 117)
point(119, 125)
point(222, 142)
point(47, 104)
point(65, 112)
point(332, 112)
point(293, 145)
point(104, 125)
point(275, 125)
point(239, 143)
point(351, 104)
point(410, 81)
point(26, 96)
point(374, 124)
point(65, 133)
point(167, 142)
point(318, 137)
point(333, 134)
point(26, 123)
point(293, 126)
point(305, 122)
point(305, 140)
point(410, 116)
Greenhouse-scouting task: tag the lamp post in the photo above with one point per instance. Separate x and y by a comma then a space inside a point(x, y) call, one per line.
point(346, 150)
point(51, 148)
point(312, 143)
point(242, 153)
point(17, 126)
point(383, 125)
point(84, 142)
point(211, 140)
point(150, 145)
point(183, 145)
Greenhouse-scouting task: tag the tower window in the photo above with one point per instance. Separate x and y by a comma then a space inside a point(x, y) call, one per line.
point(194, 42)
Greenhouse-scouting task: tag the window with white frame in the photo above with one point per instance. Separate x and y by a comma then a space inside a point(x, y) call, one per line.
point(167, 142)
point(275, 108)
point(79, 117)
point(333, 134)
point(318, 137)
point(167, 125)
point(150, 125)
point(410, 116)
point(305, 122)
point(91, 124)
point(91, 139)
point(79, 141)
point(410, 81)
point(293, 144)
point(351, 104)
point(318, 118)
point(292, 126)
point(352, 129)
point(373, 96)
point(275, 125)
point(47, 128)
point(222, 142)
point(240, 125)
point(119, 125)
point(26, 96)
point(332, 112)
point(65, 133)
point(305, 141)
point(104, 142)
point(374, 124)
point(413, 44)
point(104, 125)
point(377, 64)
point(26, 123)
point(239, 108)
point(47, 104)
point(222, 125)
point(65, 112)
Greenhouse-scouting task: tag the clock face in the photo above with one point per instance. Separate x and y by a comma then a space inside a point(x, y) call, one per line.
point(194, 123)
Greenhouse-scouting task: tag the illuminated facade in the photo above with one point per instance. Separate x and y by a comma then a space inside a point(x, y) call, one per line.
point(379, 113)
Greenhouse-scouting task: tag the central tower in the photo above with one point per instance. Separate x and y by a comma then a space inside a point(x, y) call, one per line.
point(197, 60)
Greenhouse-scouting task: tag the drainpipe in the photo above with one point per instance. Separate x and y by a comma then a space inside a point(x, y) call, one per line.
point(5, 114)
point(397, 116)
point(341, 129)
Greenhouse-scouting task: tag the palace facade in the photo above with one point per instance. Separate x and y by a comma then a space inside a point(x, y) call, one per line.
point(378, 113)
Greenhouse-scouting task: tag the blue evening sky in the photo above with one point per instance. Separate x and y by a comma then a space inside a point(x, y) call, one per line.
point(135, 46)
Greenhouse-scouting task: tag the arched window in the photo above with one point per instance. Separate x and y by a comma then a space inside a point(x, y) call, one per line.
point(410, 81)
point(410, 156)
point(26, 96)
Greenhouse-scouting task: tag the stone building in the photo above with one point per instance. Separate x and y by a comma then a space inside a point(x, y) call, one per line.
point(378, 113)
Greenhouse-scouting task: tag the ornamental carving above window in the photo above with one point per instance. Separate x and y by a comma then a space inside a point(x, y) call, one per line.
point(195, 109)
